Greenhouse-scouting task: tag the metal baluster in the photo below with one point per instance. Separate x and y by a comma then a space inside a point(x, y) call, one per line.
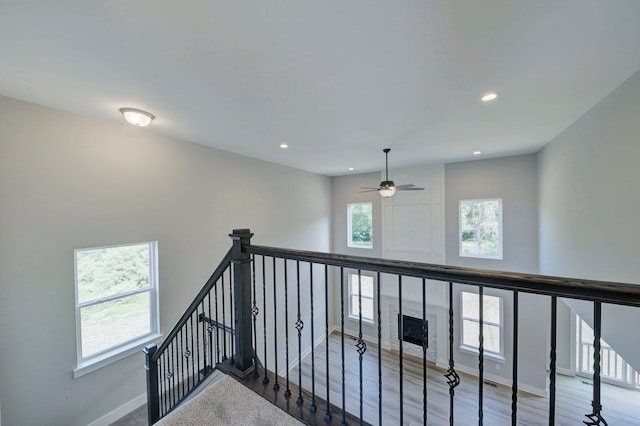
point(452, 377)
point(181, 364)
point(200, 370)
point(425, 335)
point(552, 362)
point(344, 409)
point(276, 386)
point(327, 414)
point(210, 334)
point(169, 374)
point(361, 345)
point(161, 374)
point(191, 358)
point(595, 418)
point(216, 327)
point(299, 327)
point(254, 314)
point(379, 284)
point(224, 323)
point(264, 319)
point(204, 338)
point(400, 334)
point(187, 355)
point(287, 392)
point(231, 324)
point(165, 379)
point(481, 355)
point(312, 407)
point(514, 385)
point(173, 374)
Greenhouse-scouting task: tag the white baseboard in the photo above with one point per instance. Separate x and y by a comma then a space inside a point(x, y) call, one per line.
point(121, 411)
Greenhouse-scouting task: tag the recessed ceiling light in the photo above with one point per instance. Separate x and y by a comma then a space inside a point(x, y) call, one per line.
point(284, 146)
point(489, 97)
point(477, 152)
point(137, 117)
point(350, 169)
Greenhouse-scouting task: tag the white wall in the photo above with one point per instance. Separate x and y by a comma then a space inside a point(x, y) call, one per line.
point(68, 181)
point(514, 179)
point(589, 204)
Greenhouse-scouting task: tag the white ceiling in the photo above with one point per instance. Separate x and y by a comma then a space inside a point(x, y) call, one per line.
point(337, 80)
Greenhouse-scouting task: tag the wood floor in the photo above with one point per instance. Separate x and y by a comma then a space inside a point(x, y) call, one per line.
point(573, 399)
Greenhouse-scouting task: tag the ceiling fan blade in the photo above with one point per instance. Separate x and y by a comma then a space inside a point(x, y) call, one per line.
point(369, 190)
point(369, 187)
point(406, 185)
point(409, 189)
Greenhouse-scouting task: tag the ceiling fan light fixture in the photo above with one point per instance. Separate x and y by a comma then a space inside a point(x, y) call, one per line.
point(387, 192)
point(137, 117)
point(387, 188)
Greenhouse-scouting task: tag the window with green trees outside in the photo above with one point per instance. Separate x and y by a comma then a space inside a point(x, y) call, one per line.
point(360, 225)
point(481, 228)
point(116, 298)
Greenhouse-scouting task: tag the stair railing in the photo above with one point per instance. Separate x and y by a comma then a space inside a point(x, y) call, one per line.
point(214, 329)
point(271, 296)
point(275, 267)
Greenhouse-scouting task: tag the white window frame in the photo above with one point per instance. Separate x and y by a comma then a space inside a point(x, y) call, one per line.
point(499, 356)
point(354, 312)
point(87, 364)
point(629, 377)
point(350, 242)
point(499, 256)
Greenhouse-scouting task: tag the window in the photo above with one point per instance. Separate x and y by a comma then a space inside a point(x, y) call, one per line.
point(612, 366)
point(481, 228)
point(492, 323)
point(365, 291)
point(116, 299)
point(360, 228)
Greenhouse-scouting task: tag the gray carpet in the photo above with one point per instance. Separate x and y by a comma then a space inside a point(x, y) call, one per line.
point(228, 403)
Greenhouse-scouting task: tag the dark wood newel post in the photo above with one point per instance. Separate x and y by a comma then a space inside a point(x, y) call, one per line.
point(241, 262)
point(153, 399)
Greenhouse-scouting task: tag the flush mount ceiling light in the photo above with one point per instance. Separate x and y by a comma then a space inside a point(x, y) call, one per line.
point(284, 146)
point(137, 117)
point(492, 96)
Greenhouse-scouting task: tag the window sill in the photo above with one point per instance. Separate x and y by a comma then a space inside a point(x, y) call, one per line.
point(364, 320)
point(492, 356)
point(110, 357)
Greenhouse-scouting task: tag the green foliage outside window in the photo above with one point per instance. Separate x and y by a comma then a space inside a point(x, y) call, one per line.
point(481, 228)
point(113, 296)
point(108, 271)
point(360, 225)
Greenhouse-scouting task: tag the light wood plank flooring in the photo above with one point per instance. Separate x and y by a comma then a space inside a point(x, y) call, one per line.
point(621, 406)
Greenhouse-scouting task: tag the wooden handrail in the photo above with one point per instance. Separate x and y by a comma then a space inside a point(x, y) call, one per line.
point(574, 288)
point(215, 276)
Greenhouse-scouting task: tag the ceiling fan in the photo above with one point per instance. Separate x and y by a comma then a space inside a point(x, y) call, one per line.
point(387, 187)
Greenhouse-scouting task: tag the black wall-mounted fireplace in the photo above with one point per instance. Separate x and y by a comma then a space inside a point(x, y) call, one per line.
point(410, 330)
